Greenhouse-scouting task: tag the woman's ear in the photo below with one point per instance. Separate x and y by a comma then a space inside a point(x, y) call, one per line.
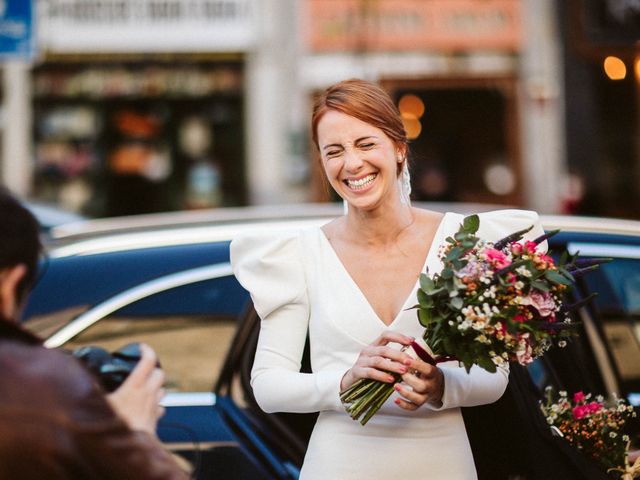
point(9, 280)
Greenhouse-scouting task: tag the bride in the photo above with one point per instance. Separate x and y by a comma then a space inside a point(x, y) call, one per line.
point(348, 286)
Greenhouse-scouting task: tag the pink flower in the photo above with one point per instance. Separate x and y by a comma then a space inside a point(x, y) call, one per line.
point(579, 411)
point(530, 246)
point(516, 248)
point(498, 258)
point(578, 397)
point(524, 353)
point(541, 301)
point(547, 259)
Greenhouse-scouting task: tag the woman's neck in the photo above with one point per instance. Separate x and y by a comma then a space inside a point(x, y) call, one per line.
point(380, 226)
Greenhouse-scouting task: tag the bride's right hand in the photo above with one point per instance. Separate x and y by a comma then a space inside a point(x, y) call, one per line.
point(378, 359)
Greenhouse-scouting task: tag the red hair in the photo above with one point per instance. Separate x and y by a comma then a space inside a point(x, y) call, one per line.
point(365, 101)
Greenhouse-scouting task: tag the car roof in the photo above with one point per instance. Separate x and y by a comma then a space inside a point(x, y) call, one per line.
point(222, 225)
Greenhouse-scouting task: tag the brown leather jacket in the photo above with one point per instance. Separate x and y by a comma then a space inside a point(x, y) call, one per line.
point(55, 422)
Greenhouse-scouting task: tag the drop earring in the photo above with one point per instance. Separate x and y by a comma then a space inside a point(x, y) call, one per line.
point(404, 184)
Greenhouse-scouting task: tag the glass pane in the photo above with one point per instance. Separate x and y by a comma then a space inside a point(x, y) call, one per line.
point(191, 349)
point(189, 327)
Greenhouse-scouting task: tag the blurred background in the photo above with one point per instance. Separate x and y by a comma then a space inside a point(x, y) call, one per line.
point(118, 107)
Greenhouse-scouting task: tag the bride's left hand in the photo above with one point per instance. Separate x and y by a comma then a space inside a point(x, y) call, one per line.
point(423, 383)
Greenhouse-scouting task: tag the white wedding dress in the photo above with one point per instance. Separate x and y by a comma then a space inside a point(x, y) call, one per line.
point(298, 284)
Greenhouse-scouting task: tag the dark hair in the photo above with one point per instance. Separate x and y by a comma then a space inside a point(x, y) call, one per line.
point(365, 101)
point(19, 239)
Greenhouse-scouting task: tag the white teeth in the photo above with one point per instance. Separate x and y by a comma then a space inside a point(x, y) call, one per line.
point(357, 184)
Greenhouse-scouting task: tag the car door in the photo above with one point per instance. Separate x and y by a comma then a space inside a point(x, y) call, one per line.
point(188, 314)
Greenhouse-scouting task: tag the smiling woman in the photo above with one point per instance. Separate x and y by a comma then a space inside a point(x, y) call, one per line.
point(348, 285)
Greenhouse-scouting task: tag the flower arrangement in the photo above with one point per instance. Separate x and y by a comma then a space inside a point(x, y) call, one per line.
point(491, 304)
point(594, 428)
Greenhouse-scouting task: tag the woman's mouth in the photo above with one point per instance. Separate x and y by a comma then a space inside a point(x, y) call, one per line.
point(361, 183)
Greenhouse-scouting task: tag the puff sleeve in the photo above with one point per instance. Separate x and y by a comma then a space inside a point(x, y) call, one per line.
point(271, 269)
point(480, 387)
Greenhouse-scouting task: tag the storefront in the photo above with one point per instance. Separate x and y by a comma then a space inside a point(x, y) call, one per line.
point(457, 72)
point(602, 64)
point(137, 137)
point(138, 106)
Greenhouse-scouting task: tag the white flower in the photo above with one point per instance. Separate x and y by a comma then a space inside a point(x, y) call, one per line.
point(524, 271)
point(625, 438)
point(613, 434)
point(497, 360)
point(562, 343)
point(519, 285)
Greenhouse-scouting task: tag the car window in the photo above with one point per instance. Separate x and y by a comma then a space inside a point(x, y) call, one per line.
point(618, 307)
point(190, 327)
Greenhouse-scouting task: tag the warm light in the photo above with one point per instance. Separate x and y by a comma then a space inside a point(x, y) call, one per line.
point(411, 105)
point(638, 69)
point(615, 68)
point(499, 179)
point(412, 126)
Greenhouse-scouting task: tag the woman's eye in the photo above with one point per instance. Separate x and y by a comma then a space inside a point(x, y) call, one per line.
point(366, 146)
point(333, 153)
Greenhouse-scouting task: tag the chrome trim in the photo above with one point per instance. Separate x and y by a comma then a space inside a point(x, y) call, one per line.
point(138, 292)
point(603, 250)
point(610, 226)
point(600, 353)
point(188, 399)
point(173, 237)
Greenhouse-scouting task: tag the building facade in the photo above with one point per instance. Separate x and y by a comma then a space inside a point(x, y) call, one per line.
point(150, 105)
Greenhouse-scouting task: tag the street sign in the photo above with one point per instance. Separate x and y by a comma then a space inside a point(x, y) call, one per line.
point(16, 29)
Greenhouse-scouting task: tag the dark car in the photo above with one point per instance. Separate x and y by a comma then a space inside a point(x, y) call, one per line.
point(171, 286)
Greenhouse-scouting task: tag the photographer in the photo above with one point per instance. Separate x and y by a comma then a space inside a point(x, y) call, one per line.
point(55, 421)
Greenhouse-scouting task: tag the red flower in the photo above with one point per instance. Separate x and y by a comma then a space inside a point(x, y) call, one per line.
point(530, 246)
point(519, 318)
point(578, 397)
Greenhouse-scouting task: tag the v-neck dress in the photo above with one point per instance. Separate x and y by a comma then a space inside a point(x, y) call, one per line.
point(299, 287)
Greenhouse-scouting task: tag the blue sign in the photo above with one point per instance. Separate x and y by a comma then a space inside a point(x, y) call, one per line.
point(16, 29)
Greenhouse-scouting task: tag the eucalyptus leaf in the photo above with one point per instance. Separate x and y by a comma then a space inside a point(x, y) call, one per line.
point(426, 283)
point(424, 317)
point(457, 303)
point(471, 224)
point(542, 286)
point(556, 277)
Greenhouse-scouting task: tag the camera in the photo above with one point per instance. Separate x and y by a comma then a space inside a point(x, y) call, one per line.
point(110, 369)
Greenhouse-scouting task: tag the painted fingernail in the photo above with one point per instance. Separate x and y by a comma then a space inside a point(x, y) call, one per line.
point(407, 362)
point(397, 387)
point(403, 369)
point(397, 401)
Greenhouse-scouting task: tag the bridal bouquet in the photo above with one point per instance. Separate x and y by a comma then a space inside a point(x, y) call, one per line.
point(593, 428)
point(491, 304)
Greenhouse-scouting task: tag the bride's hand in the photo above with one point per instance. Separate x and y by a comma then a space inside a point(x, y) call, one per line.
point(378, 359)
point(423, 383)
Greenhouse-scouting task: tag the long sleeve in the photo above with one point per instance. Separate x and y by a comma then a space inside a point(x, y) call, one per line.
point(272, 271)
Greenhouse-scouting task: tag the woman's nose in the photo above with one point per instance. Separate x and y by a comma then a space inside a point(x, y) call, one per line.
point(352, 162)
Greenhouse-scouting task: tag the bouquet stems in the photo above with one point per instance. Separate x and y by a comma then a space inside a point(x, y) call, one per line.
point(366, 396)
